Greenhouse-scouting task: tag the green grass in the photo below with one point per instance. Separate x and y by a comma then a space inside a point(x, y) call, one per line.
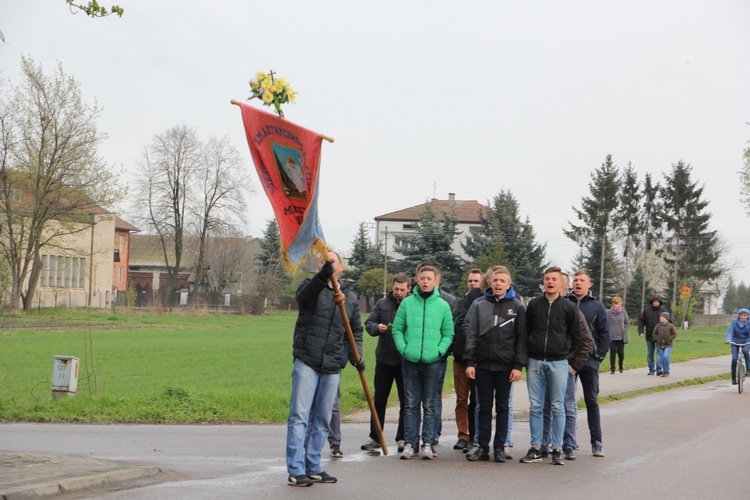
point(179, 368)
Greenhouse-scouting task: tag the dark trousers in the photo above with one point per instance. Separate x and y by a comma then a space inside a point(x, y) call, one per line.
point(385, 375)
point(493, 385)
point(589, 376)
point(617, 348)
point(473, 409)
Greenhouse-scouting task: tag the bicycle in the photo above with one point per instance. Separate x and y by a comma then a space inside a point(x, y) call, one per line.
point(741, 370)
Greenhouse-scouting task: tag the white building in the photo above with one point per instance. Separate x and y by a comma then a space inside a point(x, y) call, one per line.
point(392, 227)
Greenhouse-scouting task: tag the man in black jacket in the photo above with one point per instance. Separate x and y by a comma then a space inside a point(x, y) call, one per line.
point(596, 317)
point(648, 319)
point(462, 384)
point(554, 332)
point(388, 360)
point(318, 355)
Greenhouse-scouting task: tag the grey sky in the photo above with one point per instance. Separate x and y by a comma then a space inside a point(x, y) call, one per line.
point(428, 97)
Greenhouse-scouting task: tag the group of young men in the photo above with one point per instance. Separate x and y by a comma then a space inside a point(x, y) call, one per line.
point(558, 337)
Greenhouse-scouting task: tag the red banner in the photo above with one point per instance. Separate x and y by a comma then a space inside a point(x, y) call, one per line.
point(287, 158)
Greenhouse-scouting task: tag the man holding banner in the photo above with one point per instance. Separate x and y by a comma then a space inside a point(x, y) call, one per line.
point(319, 353)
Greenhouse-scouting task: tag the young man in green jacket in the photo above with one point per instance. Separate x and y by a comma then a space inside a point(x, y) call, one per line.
point(423, 333)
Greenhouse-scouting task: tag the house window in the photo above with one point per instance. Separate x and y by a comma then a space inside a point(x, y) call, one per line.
point(409, 226)
point(122, 244)
point(120, 272)
point(62, 272)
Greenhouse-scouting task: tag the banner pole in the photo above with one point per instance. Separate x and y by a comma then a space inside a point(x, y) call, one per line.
point(339, 299)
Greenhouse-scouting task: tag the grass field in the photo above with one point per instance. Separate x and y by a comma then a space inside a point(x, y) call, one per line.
point(180, 368)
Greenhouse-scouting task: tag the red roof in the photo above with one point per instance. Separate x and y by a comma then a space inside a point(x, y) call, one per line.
point(125, 226)
point(467, 211)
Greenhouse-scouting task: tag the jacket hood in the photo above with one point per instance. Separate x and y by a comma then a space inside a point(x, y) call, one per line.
point(658, 299)
point(743, 311)
point(510, 294)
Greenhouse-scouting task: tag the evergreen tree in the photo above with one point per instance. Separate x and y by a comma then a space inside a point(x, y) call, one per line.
point(610, 287)
point(731, 298)
point(596, 215)
point(365, 255)
point(628, 222)
point(634, 304)
point(693, 250)
point(502, 223)
point(270, 275)
point(433, 240)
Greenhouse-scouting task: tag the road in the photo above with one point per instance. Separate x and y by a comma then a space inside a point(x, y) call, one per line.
point(680, 443)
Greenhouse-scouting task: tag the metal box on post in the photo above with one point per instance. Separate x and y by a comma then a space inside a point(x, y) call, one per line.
point(64, 376)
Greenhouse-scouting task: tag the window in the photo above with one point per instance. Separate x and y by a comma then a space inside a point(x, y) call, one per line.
point(120, 272)
point(122, 244)
point(62, 272)
point(409, 226)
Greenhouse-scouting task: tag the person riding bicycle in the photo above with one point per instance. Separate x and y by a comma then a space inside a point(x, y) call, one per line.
point(739, 333)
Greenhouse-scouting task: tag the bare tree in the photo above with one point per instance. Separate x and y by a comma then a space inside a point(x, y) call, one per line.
point(166, 172)
point(52, 180)
point(221, 188)
point(231, 260)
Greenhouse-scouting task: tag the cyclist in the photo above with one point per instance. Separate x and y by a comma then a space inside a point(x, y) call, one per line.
point(739, 333)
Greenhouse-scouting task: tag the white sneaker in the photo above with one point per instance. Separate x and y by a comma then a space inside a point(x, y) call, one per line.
point(426, 453)
point(408, 452)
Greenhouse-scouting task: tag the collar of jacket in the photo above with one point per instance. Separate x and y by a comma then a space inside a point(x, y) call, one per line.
point(510, 294)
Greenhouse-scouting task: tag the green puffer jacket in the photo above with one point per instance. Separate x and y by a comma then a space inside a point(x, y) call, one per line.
point(423, 328)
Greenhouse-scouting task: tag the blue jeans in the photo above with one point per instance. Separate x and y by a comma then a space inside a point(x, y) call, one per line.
point(308, 388)
point(421, 388)
point(736, 355)
point(547, 379)
point(664, 353)
point(650, 350)
point(571, 412)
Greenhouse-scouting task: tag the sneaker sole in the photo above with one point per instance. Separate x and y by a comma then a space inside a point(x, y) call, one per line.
point(531, 460)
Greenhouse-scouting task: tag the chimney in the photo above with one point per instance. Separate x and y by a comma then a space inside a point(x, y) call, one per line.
point(451, 199)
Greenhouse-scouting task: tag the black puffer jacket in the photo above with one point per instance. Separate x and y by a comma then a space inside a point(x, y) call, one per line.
point(384, 313)
point(496, 338)
point(649, 318)
point(459, 314)
point(554, 329)
point(319, 335)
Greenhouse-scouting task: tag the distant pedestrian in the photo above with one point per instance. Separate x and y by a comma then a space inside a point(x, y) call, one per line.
point(648, 319)
point(664, 335)
point(739, 333)
point(619, 322)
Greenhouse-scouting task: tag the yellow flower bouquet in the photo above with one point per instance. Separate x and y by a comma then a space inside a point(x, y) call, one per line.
point(272, 91)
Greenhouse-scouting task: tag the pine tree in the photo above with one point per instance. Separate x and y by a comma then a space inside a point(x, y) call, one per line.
point(596, 215)
point(731, 298)
point(693, 250)
point(433, 240)
point(365, 255)
point(502, 223)
point(634, 305)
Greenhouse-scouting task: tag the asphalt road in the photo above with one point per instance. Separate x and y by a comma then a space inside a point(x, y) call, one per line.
point(680, 443)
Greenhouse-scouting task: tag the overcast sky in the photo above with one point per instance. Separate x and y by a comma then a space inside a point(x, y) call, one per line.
point(425, 98)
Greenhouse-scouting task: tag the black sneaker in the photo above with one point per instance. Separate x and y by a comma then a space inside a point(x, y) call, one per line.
point(557, 457)
point(301, 480)
point(322, 477)
point(569, 454)
point(471, 447)
point(479, 454)
point(650, 373)
point(336, 452)
point(544, 453)
point(370, 445)
point(500, 456)
point(533, 455)
point(460, 444)
point(658, 373)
